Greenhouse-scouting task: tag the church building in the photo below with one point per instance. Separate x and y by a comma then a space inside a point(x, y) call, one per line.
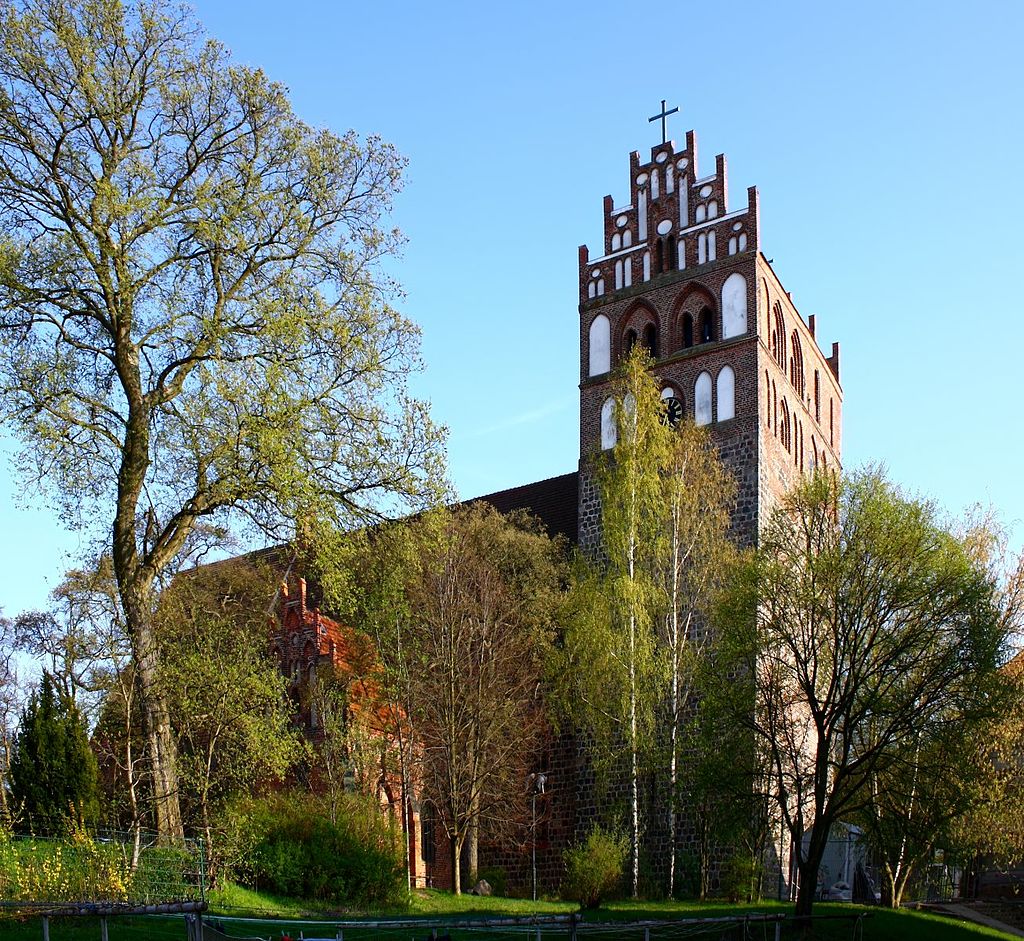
point(682, 273)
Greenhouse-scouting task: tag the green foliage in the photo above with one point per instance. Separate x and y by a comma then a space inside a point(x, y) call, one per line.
point(286, 844)
point(229, 708)
point(741, 877)
point(636, 618)
point(53, 771)
point(865, 630)
point(593, 868)
point(81, 868)
point(461, 605)
point(195, 328)
point(496, 878)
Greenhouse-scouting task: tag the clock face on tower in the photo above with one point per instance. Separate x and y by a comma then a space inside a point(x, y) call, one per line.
point(673, 411)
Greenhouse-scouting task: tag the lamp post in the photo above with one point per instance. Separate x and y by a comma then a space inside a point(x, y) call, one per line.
point(536, 783)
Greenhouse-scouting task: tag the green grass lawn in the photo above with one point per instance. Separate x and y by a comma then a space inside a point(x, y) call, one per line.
point(244, 913)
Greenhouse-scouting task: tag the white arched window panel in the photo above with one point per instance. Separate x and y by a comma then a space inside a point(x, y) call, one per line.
point(743, 241)
point(713, 209)
point(702, 248)
point(600, 287)
point(684, 204)
point(608, 434)
point(616, 242)
point(618, 274)
point(711, 246)
point(641, 216)
point(732, 245)
point(592, 289)
point(655, 180)
point(647, 266)
point(702, 399)
point(627, 272)
point(734, 306)
point(669, 393)
point(726, 394)
point(670, 178)
point(702, 213)
point(627, 238)
point(681, 251)
point(600, 346)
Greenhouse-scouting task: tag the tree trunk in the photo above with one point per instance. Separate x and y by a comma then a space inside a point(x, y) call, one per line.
point(456, 845)
point(808, 870)
point(163, 752)
point(673, 768)
point(473, 848)
point(634, 777)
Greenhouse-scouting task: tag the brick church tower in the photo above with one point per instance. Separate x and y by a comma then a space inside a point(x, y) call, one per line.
point(683, 275)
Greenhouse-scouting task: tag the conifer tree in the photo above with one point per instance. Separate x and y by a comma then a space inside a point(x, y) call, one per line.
point(53, 770)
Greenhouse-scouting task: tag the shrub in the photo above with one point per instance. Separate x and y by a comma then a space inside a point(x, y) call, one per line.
point(495, 878)
point(288, 845)
point(740, 877)
point(593, 868)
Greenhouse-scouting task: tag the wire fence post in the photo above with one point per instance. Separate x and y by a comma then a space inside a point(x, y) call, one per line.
point(202, 872)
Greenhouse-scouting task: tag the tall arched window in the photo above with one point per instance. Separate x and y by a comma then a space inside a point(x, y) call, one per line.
point(702, 399)
point(796, 365)
point(687, 330)
point(726, 394)
point(628, 342)
point(779, 337)
point(817, 397)
point(784, 427)
point(651, 340)
point(707, 325)
point(608, 433)
point(600, 346)
point(734, 306)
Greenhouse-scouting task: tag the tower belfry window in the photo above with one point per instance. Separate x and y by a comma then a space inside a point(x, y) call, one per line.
point(707, 325)
point(651, 340)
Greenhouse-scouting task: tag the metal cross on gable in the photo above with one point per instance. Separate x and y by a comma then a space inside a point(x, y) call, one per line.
point(663, 116)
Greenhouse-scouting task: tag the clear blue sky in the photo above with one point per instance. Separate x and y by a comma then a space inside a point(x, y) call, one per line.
point(885, 139)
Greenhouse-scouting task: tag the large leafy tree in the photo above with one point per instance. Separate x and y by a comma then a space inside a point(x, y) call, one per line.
point(230, 712)
point(867, 629)
point(695, 556)
point(462, 604)
point(192, 315)
point(638, 632)
point(613, 661)
point(53, 772)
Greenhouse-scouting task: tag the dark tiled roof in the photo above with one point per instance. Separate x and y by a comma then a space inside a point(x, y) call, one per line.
point(553, 501)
